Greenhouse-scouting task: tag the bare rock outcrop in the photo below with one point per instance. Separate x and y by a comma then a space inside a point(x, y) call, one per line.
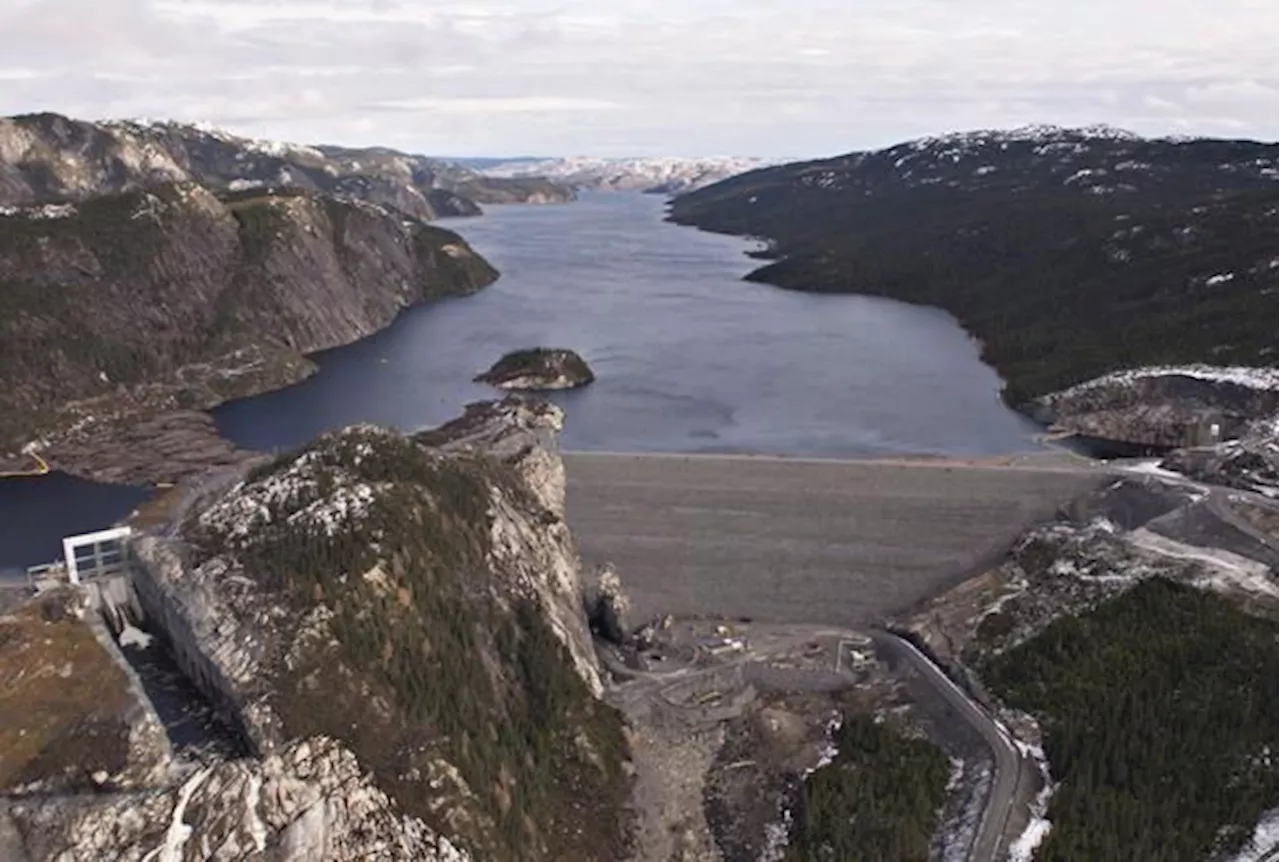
point(394, 625)
point(174, 298)
point(538, 368)
point(1164, 408)
point(609, 607)
point(310, 801)
point(51, 158)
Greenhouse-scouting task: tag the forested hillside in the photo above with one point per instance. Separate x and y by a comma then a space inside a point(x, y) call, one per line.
point(178, 296)
point(1068, 253)
point(1160, 712)
point(877, 800)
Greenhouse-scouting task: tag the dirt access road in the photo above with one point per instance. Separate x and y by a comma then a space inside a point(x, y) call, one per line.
point(1014, 773)
point(840, 543)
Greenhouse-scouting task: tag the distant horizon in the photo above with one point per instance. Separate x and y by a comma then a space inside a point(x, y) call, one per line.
point(455, 157)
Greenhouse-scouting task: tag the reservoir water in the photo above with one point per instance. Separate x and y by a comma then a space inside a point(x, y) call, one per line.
point(688, 358)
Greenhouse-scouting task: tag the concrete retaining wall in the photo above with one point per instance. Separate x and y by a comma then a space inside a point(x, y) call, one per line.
point(148, 721)
point(167, 618)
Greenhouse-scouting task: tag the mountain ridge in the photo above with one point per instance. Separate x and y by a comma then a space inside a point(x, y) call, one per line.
point(50, 158)
point(175, 298)
point(1068, 253)
point(655, 174)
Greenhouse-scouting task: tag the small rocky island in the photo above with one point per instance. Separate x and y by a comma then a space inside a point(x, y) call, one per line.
point(538, 368)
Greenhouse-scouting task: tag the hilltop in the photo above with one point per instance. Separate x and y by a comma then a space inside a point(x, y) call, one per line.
point(393, 628)
point(51, 158)
point(659, 174)
point(176, 298)
point(1068, 253)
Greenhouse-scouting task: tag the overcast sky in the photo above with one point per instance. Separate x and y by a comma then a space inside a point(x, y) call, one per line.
point(646, 77)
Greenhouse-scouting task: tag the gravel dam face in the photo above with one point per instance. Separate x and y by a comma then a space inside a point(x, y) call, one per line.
point(803, 541)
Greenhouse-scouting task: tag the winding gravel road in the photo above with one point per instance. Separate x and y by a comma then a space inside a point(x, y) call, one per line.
point(1013, 771)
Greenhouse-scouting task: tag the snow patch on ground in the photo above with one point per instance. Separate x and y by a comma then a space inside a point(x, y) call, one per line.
point(1024, 846)
point(829, 748)
point(1222, 569)
point(1265, 839)
point(777, 834)
point(1067, 568)
point(313, 490)
point(1196, 490)
point(955, 837)
point(1240, 375)
point(257, 829)
point(1016, 588)
point(343, 507)
point(45, 211)
point(1152, 468)
point(178, 833)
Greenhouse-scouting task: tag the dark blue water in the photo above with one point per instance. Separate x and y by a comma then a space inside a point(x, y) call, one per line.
point(687, 356)
point(37, 511)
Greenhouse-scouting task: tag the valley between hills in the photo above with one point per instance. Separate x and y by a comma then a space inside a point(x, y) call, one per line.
point(463, 643)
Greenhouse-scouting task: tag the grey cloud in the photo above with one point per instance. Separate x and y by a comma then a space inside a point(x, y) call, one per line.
point(645, 76)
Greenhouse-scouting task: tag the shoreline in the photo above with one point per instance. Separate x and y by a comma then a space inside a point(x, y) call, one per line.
point(41, 468)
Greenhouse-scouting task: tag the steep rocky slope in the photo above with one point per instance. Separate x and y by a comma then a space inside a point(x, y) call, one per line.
point(51, 158)
point(1068, 252)
point(661, 175)
point(395, 624)
point(175, 297)
point(1165, 408)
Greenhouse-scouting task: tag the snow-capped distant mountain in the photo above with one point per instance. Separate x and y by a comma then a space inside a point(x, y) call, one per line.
point(49, 158)
point(661, 174)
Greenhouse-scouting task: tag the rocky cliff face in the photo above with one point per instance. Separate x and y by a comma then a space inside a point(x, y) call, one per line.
point(51, 158)
point(396, 624)
point(176, 297)
point(312, 800)
point(1164, 408)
